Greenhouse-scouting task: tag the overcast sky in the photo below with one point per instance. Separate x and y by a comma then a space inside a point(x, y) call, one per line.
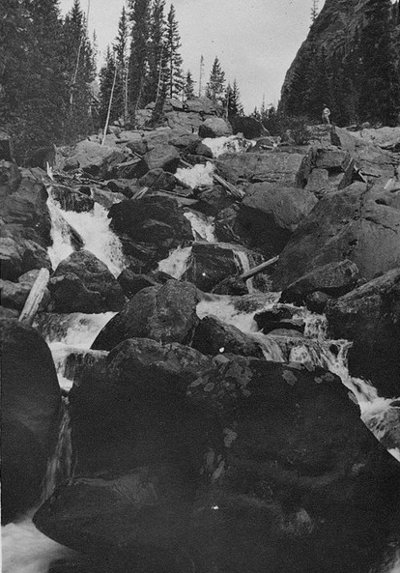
point(255, 40)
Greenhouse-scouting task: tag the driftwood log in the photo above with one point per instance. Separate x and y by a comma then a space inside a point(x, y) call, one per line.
point(255, 270)
point(35, 297)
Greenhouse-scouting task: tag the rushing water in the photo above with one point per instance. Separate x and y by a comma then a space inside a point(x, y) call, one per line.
point(231, 144)
point(197, 176)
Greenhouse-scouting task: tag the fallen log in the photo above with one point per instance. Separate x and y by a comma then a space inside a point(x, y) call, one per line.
point(35, 297)
point(255, 270)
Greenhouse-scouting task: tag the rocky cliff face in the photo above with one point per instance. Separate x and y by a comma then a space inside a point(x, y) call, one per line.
point(328, 62)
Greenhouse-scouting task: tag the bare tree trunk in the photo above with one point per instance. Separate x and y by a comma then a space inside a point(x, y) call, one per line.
point(110, 105)
point(35, 297)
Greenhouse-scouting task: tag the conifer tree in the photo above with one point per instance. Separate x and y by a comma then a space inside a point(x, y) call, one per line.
point(157, 52)
point(139, 54)
point(216, 84)
point(380, 85)
point(106, 78)
point(121, 60)
point(232, 100)
point(189, 86)
point(175, 80)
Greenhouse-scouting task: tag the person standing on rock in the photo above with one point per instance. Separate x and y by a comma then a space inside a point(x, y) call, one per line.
point(326, 112)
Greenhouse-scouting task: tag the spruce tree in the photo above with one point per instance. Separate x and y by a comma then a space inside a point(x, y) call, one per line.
point(232, 100)
point(120, 104)
point(157, 52)
point(175, 80)
point(216, 84)
point(380, 85)
point(139, 54)
point(106, 78)
point(189, 86)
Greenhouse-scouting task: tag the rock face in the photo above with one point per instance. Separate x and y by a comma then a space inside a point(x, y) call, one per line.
point(165, 314)
point(370, 317)
point(349, 224)
point(284, 168)
point(19, 255)
point(270, 213)
point(248, 126)
point(72, 199)
point(31, 402)
point(93, 158)
point(82, 283)
point(164, 157)
point(212, 336)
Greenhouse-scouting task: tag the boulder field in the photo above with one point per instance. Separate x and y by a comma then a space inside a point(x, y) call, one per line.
point(192, 451)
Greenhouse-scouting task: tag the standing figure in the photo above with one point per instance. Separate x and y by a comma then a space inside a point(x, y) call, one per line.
point(326, 112)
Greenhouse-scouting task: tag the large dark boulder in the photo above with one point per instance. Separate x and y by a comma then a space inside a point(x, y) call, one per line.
point(31, 406)
point(210, 263)
point(349, 224)
point(370, 317)
point(165, 314)
point(71, 199)
point(296, 480)
point(155, 219)
point(95, 159)
point(215, 127)
point(82, 283)
point(162, 156)
point(270, 213)
point(212, 336)
point(334, 279)
point(19, 255)
point(250, 127)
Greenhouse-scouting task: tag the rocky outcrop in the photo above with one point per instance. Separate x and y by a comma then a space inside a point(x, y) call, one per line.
point(72, 199)
point(165, 314)
point(82, 283)
point(212, 336)
point(19, 255)
point(249, 127)
point(349, 224)
point(93, 158)
point(31, 402)
point(162, 156)
point(370, 317)
point(270, 213)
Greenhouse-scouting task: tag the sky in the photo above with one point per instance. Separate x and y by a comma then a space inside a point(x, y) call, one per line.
point(255, 40)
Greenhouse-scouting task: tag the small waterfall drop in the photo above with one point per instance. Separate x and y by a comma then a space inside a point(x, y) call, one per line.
point(60, 233)
point(230, 144)
point(176, 263)
point(197, 176)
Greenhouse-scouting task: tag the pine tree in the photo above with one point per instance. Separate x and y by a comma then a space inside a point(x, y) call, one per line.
point(139, 55)
point(380, 85)
point(157, 53)
point(80, 68)
point(175, 80)
point(121, 60)
point(232, 100)
point(106, 78)
point(216, 84)
point(189, 86)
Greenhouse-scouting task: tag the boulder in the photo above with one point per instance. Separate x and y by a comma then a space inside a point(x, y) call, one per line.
point(348, 224)
point(369, 316)
point(250, 127)
point(166, 314)
point(72, 199)
point(132, 283)
point(213, 200)
point(6, 152)
point(94, 158)
point(212, 336)
point(215, 127)
point(10, 178)
point(137, 146)
point(183, 122)
point(331, 158)
point(333, 279)
point(138, 220)
point(31, 407)
point(270, 213)
point(126, 187)
point(131, 169)
point(291, 459)
point(185, 140)
point(210, 263)
point(285, 168)
point(18, 255)
point(278, 318)
point(228, 227)
point(159, 179)
point(82, 283)
point(27, 207)
point(162, 156)
point(203, 106)
point(318, 182)
point(132, 520)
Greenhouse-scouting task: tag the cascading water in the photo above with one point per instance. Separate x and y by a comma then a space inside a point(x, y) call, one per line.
point(94, 229)
point(197, 176)
point(231, 144)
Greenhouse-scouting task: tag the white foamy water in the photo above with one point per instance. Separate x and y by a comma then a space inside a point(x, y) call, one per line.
point(68, 334)
point(60, 233)
point(231, 144)
point(26, 550)
point(197, 176)
point(176, 263)
point(202, 226)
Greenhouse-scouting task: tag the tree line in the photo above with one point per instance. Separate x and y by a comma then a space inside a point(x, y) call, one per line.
point(359, 80)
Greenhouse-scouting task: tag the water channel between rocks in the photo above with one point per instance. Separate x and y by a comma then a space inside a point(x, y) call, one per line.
point(26, 550)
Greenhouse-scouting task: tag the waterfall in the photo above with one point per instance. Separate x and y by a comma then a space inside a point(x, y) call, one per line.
point(231, 144)
point(94, 229)
point(70, 337)
point(197, 176)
